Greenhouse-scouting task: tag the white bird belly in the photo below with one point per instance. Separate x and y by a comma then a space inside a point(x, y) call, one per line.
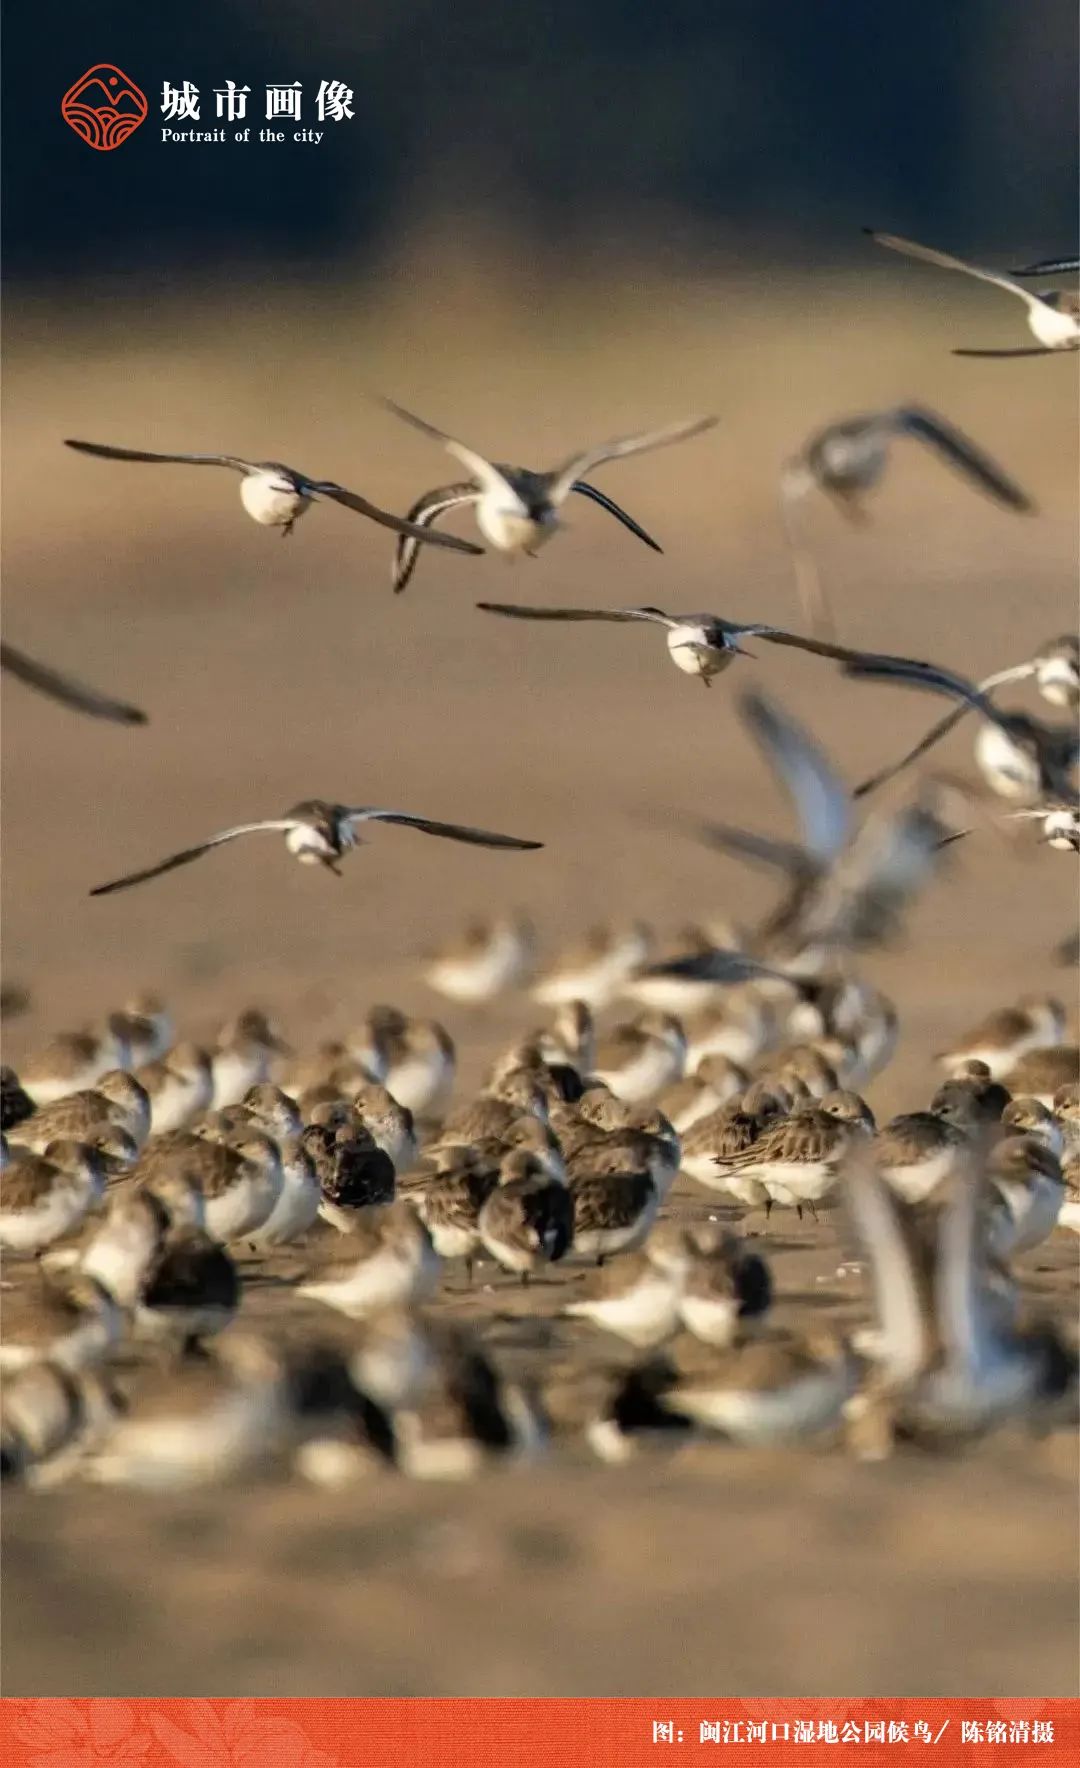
point(271, 501)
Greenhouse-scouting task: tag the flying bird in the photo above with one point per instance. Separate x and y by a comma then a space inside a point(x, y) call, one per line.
point(847, 459)
point(518, 509)
point(702, 645)
point(1050, 267)
point(319, 833)
point(1055, 670)
point(1019, 755)
point(276, 496)
point(65, 689)
point(1053, 318)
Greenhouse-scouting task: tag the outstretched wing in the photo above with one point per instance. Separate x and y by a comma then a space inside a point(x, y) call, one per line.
point(945, 261)
point(962, 453)
point(487, 474)
point(930, 677)
point(1029, 350)
point(448, 831)
point(1050, 267)
point(564, 476)
point(424, 512)
point(762, 850)
point(519, 611)
point(65, 689)
point(187, 854)
point(417, 532)
point(616, 510)
point(716, 966)
point(939, 730)
point(819, 796)
point(191, 460)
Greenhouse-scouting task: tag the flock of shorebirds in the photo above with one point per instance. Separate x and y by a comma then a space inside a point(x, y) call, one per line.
point(153, 1190)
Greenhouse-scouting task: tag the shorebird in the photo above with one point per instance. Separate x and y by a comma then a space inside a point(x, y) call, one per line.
point(71, 1062)
point(276, 496)
point(1028, 1179)
point(637, 1298)
point(710, 1144)
point(354, 1175)
point(49, 1416)
point(701, 645)
point(517, 509)
point(1042, 1072)
point(243, 1054)
point(795, 1159)
point(43, 1196)
point(449, 1200)
point(527, 1220)
point(710, 1084)
point(417, 1056)
point(1053, 318)
point(1060, 823)
point(240, 1179)
point(116, 1101)
point(15, 1102)
point(1055, 671)
point(641, 1057)
point(613, 1193)
point(847, 459)
point(1004, 1036)
point(594, 969)
point(69, 1320)
point(724, 1286)
point(1028, 1117)
point(467, 1417)
point(387, 1260)
point(319, 833)
point(297, 1206)
point(389, 1123)
point(918, 1153)
point(179, 1086)
point(65, 689)
point(1020, 756)
point(491, 958)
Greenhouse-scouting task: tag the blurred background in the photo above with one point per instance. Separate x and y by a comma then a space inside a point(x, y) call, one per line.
point(542, 225)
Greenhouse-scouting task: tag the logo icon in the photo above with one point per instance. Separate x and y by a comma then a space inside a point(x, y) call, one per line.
point(104, 107)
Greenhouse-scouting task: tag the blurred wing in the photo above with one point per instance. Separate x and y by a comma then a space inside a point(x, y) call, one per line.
point(929, 677)
point(424, 512)
point(940, 729)
point(564, 476)
point(448, 831)
point(1050, 267)
point(191, 460)
point(876, 1217)
point(945, 261)
point(519, 611)
point(616, 510)
point(715, 966)
point(418, 532)
point(967, 1325)
point(188, 854)
point(488, 475)
point(820, 798)
point(783, 856)
point(1030, 350)
point(962, 453)
point(66, 690)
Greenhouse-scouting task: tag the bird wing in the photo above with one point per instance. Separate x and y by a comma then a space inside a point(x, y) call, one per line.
point(487, 474)
point(820, 798)
point(519, 611)
point(418, 532)
point(941, 729)
point(1029, 350)
point(616, 510)
point(960, 452)
point(65, 689)
point(876, 1219)
point(945, 261)
point(715, 966)
point(929, 676)
point(448, 831)
point(424, 512)
point(187, 854)
point(784, 856)
point(192, 460)
point(563, 477)
point(1050, 267)
point(966, 1321)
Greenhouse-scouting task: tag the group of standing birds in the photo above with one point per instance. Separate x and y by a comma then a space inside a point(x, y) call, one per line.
point(616, 1182)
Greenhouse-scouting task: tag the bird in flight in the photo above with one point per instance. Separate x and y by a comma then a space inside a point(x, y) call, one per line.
point(275, 496)
point(847, 459)
point(518, 509)
point(65, 689)
point(702, 645)
point(1053, 318)
point(1050, 267)
point(319, 833)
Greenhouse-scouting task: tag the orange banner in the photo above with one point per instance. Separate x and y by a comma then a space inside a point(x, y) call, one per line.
point(550, 1733)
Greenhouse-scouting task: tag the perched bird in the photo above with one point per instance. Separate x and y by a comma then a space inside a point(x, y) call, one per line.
point(637, 1297)
point(1054, 318)
point(702, 645)
point(389, 1123)
point(796, 1158)
point(275, 496)
point(710, 1145)
point(44, 1196)
point(491, 958)
point(1027, 1117)
point(724, 1286)
point(240, 1179)
point(65, 689)
point(179, 1086)
point(70, 1062)
point(713, 1082)
point(191, 1290)
point(467, 1417)
point(387, 1260)
point(297, 1206)
point(354, 1175)
point(116, 1101)
point(318, 834)
point(1004, 1036)
point(613, 1193)
point(67, 1319)
point(527, 1220)
point(641, 1057)
point(1028, 1179)
point(518, 509)
point(918, 1153)
point(594, 969)
point(243, 1054)
point(449, 1200)
point(1043, 1071)
point(417, 1058)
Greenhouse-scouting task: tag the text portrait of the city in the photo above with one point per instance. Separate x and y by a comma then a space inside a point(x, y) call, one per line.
point(285, 104)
